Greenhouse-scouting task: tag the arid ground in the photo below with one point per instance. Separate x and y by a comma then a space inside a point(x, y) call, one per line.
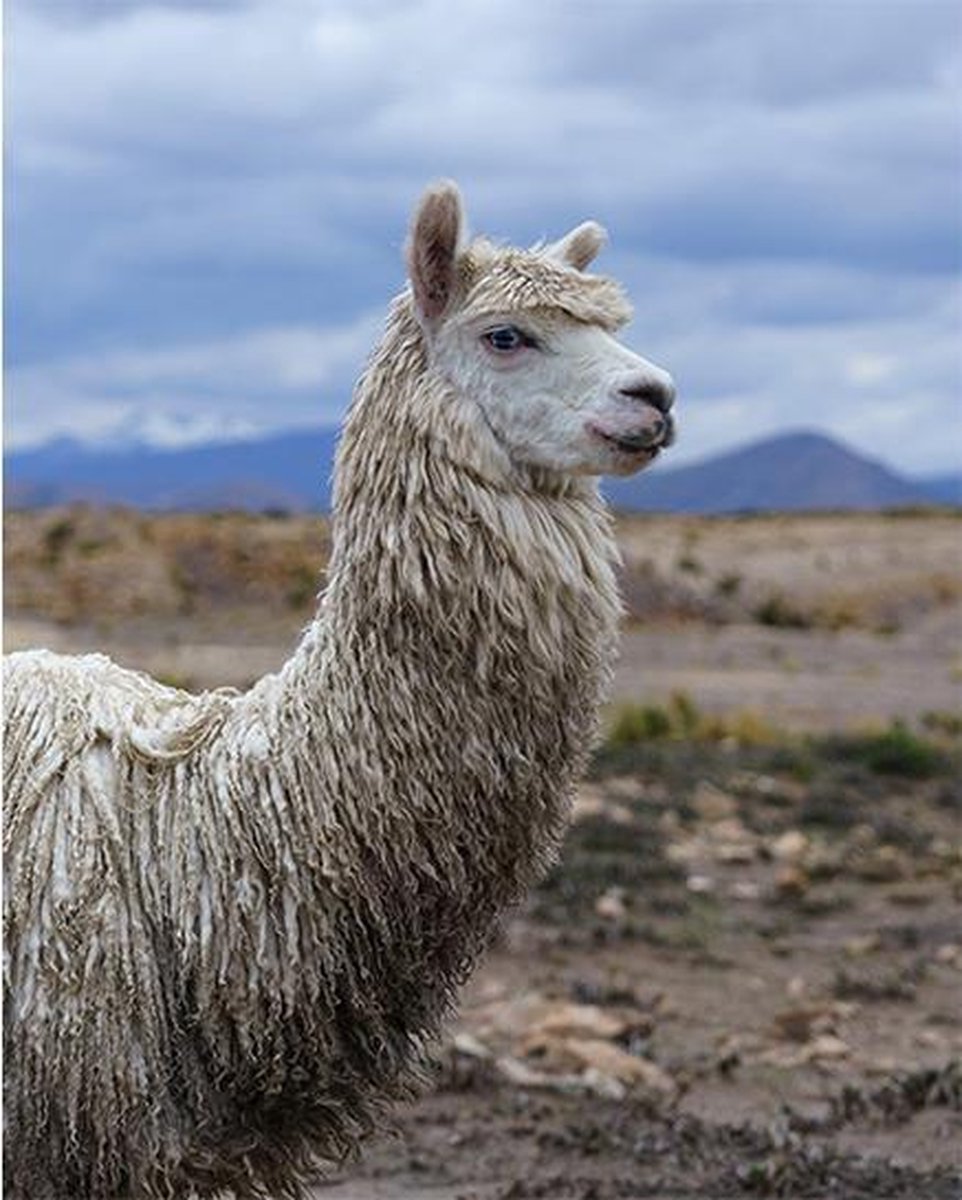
point(745, 976)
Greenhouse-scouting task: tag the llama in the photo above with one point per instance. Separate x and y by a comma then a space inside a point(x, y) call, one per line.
point(235, 920)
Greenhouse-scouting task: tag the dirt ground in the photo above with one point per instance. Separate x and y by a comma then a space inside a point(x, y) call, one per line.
point(743, 980)
point(819, 622)
point(745, 976)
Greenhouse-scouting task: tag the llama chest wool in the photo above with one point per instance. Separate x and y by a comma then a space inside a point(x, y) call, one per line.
point(235, 921)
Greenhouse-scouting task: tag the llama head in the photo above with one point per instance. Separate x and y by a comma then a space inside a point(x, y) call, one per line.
point(526, 338)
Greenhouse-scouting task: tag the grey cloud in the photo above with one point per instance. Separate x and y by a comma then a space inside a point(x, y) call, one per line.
point(232, 386)
point(344, 102)
point(81, 12)
point(180, 173)
point(778, 53)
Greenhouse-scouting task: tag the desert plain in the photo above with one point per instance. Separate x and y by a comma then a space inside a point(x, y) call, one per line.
point(744, 977)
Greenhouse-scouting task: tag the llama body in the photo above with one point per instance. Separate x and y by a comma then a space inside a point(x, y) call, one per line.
point(234, 920)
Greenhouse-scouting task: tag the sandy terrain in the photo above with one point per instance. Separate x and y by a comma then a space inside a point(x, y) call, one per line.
point(815, 621)
point(745, 978)
point(804, 679)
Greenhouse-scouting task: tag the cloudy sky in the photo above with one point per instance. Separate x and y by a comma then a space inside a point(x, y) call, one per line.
point(207, 199)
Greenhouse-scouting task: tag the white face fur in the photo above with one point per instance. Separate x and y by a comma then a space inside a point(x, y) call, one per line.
point(555, 392)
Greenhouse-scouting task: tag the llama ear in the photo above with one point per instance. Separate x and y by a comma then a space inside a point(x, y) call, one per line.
point(578, 248)
point(437, 234)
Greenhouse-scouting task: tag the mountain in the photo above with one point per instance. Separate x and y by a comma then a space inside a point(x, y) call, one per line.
point(287, 470)
point(293, 471)
point(943, 489)
point(792, 471)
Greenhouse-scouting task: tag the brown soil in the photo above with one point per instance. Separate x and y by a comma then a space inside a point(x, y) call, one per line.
point(784, 958)
point(815, 621)
point(745, 977)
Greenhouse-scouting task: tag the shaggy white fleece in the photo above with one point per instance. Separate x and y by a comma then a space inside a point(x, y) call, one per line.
point(234, 920)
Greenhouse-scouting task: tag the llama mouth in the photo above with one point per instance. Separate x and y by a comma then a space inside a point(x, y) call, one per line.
point(637, 445)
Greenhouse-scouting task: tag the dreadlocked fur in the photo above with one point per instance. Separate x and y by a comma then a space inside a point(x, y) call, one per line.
point(234, 920)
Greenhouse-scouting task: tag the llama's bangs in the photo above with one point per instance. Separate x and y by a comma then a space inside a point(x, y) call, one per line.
point(521, 280)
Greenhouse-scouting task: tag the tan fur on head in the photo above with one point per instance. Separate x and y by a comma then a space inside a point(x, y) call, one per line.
point(447, 272)
point(234, 921)
point(522, 279)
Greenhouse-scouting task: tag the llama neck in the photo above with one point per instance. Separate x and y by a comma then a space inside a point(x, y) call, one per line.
point(457, 659)
point(450, 560)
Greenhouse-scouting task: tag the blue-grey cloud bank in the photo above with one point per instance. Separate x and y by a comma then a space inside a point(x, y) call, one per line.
point(206, 202)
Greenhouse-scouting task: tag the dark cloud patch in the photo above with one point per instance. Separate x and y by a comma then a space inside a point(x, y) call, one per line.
point(767, 216)
point(772, 175)
point(808, 293)
point(751, 50)
point(80, 12)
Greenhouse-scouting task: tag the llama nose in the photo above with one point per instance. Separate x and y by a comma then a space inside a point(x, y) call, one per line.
point(659, 393)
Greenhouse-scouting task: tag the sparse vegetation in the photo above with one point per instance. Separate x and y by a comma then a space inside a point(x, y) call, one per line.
point(635, 723)
point(728, 585)
point(896, 750)
point(872, 987)
point(302, 588)
point(780, 613)
point(893, 751)
point(681, 719)
point(792, 573)
point(720, 854)
point(948, 724)
point(55, 539)
point(82, 565)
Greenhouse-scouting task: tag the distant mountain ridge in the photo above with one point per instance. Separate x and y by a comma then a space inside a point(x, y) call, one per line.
point(286, 470)
point(946, 489)
point(793, 471)
point(293, 470)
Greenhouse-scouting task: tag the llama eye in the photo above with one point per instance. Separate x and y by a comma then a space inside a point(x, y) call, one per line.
point(506, 339)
